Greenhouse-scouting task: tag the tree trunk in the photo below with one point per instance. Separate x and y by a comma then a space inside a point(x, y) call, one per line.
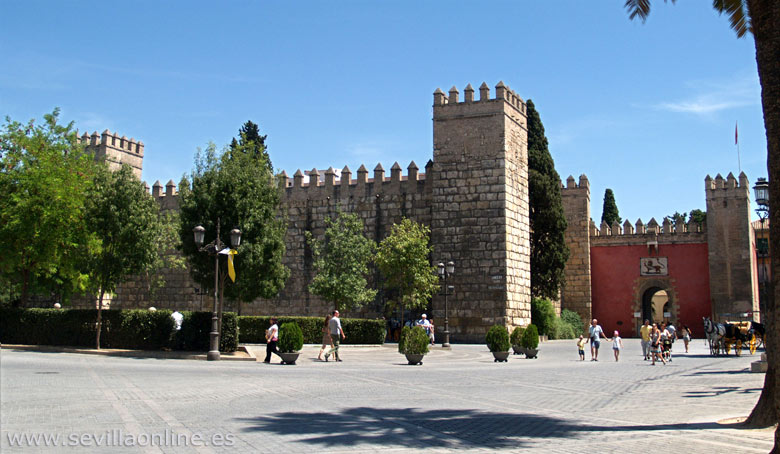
point(99, 323)
point(25, 287)
point(764, 413)
point(765, 20)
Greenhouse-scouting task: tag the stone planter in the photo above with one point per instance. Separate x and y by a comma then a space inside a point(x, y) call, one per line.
point(500, 357)
point(289, 358)
point(531, 352)
point(518, 350)
point(414, 359)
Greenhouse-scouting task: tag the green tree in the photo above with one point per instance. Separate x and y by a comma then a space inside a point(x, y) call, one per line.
point(44, 177)
point(341, 262)
point(168, 257)
point(549, 252)
point(252, 142)
point(609, 213)
point(237, 188)
point(402, 258)
point(124, 218)
point(698, 216)
point(761, 18)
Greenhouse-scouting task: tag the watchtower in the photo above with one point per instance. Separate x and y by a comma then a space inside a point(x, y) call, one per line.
point(116, 150)
point(479, 212)
point(729, 238)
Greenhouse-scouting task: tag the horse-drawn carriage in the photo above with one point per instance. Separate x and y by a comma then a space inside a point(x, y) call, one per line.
point(737, 330)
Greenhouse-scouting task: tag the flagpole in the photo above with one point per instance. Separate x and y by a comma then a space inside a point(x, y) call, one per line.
point(736, 142)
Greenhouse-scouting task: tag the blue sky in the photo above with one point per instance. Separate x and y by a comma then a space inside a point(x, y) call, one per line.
point(647, 110)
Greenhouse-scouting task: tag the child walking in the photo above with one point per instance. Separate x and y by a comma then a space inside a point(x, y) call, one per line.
point(617, 345)
point(581, 347)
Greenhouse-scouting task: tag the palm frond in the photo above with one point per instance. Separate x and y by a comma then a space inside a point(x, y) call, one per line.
point(638, 8)
point(738, 18)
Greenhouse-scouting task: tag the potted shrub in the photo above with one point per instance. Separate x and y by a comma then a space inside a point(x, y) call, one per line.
point(290, 342)
point(414, 344)
point(530, 341)
point(497, 340)
point(514, 339)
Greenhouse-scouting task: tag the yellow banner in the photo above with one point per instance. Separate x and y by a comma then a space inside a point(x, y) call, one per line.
point(231, 269)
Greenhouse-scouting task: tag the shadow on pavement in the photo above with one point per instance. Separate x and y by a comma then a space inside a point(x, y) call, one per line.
point(720, 390)
point(416, 428)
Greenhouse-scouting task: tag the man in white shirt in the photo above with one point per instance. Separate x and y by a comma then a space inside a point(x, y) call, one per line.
point(596, 333)
point(177, 319)
point(427, 326)
point(336, 334)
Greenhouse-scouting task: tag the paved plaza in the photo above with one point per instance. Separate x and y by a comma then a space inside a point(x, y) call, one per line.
point(372, 401)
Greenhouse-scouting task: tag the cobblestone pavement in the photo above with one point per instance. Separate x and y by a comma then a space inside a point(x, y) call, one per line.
point(372, 401)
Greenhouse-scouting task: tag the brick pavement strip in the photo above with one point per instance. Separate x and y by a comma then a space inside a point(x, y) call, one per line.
point(458, 400)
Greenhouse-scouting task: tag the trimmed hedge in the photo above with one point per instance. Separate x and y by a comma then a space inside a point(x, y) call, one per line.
point(130, 329)
point(252, 328)
point(497, 339)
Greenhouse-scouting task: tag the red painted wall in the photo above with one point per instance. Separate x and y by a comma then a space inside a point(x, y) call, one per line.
point(615, 274)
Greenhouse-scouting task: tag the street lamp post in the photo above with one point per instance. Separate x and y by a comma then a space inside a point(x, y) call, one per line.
point(214, 248)
point(445, 271)
point(761, 191)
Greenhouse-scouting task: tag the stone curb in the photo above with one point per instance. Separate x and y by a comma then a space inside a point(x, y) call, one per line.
point(244, 355)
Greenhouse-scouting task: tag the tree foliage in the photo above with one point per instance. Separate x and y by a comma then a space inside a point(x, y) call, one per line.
point(402, 258)
point(124, 219)
point(341, 262)
point(609, 212)
point(44, 177)
point(237, 188)
point(549, 252)
point(250, 141)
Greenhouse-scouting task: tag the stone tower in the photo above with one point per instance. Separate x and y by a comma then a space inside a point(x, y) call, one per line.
point(576, 291)
point(729, 237)
point(479, 208)
point(116, 150)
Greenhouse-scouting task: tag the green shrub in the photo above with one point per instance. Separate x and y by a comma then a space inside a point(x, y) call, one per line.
point(359, 331)
point(414, 342)
point(290, 338)
point(542, 314)
point(530, 337)
point(561, 330)
point(517, 334)
point(497, 339)
point(402, 338)
point(131, 329)
point(573, 319)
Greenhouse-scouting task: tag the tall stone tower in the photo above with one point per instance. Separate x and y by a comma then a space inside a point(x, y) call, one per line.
point(116, 150)
point(479, 212)
point(576, 291)
point(730, 242)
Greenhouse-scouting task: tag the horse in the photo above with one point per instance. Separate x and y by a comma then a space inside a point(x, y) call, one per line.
point(756, 335)
point(714, 334)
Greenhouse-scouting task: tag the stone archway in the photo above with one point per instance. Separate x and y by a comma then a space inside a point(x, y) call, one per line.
point(644, 290)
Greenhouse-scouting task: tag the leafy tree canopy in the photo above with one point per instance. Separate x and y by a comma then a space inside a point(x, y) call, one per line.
point(402, 258)
point(549, 252)
point(236, 187)
point(341, 262)
point(44, 178)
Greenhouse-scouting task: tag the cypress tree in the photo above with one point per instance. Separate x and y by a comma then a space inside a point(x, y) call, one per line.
point(609, 213)
point(548, 223)
point(251, 141)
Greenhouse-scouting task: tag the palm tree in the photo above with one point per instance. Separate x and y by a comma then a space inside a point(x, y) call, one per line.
point(761, 18)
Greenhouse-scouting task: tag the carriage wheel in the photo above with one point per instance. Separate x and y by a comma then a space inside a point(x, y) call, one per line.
point(753, 344)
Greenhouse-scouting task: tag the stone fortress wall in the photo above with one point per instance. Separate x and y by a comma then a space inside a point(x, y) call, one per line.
point(473, 195)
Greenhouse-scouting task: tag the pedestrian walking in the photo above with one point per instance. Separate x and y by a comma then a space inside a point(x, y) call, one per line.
point(617, 345)
point(596, 333)
point(686, 335)
point(644, 333)
point(336, 335)
point(327, 342)
point(272, 338)
point(581, 347)
point(655, 345)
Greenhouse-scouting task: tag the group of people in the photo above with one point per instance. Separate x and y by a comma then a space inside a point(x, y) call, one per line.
point(595, 333)
point(656, 341)
point(332, 335)
point(394, 327)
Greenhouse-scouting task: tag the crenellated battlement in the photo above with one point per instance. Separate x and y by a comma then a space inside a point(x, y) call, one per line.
point(641, 229)
point(325, 183)
point(502, 93)
point(112, 140)
point(726, 187)
point(571, 183)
